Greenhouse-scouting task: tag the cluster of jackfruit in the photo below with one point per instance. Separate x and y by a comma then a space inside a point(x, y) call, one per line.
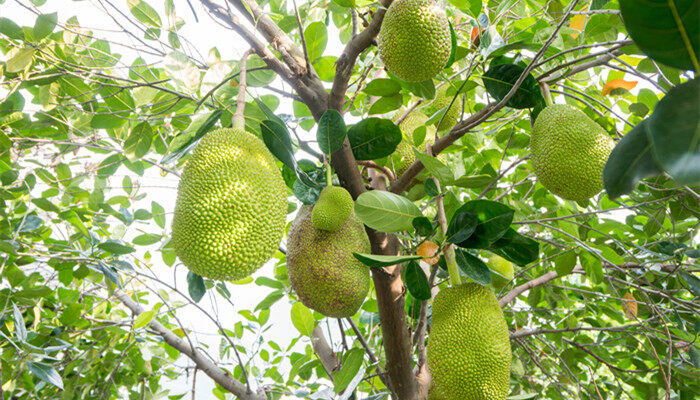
point(321, 267)
point(568, 152)
point(231, 206)
point(469, 354)
point(414, 40)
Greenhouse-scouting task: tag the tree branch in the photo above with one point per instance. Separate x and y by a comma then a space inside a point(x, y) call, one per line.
point(323, 350)
point(203, 363)
point(518, 290)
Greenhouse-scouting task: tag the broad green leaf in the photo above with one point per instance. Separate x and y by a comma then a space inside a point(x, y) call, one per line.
point(494, 221)
point(378, 261)
point(20, 60)
point(385, 104)
point(352, 362)
point(665, 30)
point(474, 181)
point(692, 281)
point(195, 286)
point(516, 248)
point(374, 138)
point(7, 248)
point(44, 25)
point(139, 141)
point(331, 131)
point(416, 281)
point(316, 39)
point(46, 373)
point(144, 319)
point(144, 13)
point(302, 319)
point(674, 133)
point(146, 239)
point(385, 211)
point(471, 7)
point(499, 80)
point(593, 267)
point(20, 329)
point(473, 267)
point(382, 87)
point(116, 247)
point(10, 29)
point(565, 263)
point(436, 168)
point(423, 226)
point(461, 226)
point(629, 162)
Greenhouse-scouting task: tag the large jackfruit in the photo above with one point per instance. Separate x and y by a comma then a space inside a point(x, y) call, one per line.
point(469, 354)
point(568, 152)
point(231, 206)
point(414, 39)
point(441, 101)
point(321, 268)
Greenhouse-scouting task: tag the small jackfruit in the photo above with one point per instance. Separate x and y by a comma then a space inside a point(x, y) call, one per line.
point(231, 206)
point(332, 209)
point(321, 267)
point(403, 155)
point(441, 101)
point(568, 152)
point(504, 271)
point(468, 350)
point(414, 40)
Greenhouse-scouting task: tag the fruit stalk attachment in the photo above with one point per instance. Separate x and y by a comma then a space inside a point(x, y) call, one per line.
point(448, 251)
point(238, 119)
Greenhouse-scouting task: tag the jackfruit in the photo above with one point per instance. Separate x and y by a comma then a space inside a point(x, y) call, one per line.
point(568, 152)
point(504, 271)
point(231, 206)
point(443, 100)
point(332, 209)
point(469, 355)
point(403, 156)
point(414, 40)
point(321, 267)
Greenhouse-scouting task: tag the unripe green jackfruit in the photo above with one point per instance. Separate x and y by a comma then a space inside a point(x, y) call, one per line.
point(403, 155)
point(231, 206)
point(504, 271)
point(568, 152)
point(442, 100)
point(469, 353)
point(321, 267)
point(414, 39)
point(332, 209)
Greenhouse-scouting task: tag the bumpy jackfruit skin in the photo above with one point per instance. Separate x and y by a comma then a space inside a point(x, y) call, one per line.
point(321, 268)
point(568, 152)
point(231, 206)
point(414, 40)
point(469, 353)
point(443, 100)
point(332, 209)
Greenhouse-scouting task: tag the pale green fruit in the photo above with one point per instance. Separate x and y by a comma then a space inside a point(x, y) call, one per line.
point(332, 209)
point(503, 269)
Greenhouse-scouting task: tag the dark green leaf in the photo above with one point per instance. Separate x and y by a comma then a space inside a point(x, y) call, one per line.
point(416, 281)
point(268, 301)
point(431, 188)
point(593, 267)
point(665, 30)
point(380, 261)
point(10, 29)
point(565, 263)
point(474, 181)
point(423, 226)
point(516, 248)
point(385, 104)
point(499, 80)
point(462, 226)
point(331, 131)
point(374, 138)
point(425, 89)
point(195, 286)
point(107, 271)
point(46, 373)
point(494, 221)
point(629, 162)
point(674, 132)
point(692, 281)
point(352, 362)
point(473, 267)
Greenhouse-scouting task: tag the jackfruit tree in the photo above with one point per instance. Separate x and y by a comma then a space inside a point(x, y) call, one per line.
point(403, 199)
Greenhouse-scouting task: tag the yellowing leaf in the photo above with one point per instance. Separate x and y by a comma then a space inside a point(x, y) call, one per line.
point(577, 22)
point(429, 251)
point(617, 84)
point(629, 305)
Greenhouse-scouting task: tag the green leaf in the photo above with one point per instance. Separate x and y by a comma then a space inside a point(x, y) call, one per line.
point(386, 104)
point(268, 301)
point(345, 3)
point(565, 263)
point(593, 267)
point(139, 141)
point(302, 319)
point(382, 87)
point(147, 239)
point(10, 29)
point(20, 60)
point(46, 373)
point(473, 267)
point(692, 281)
point(115, 247)
point(331, 131)
point(385, 211)
point(45, 205)
point(674, 132)
point(474, 181)
point(423, 226)
point(44, 25)
point(629, 162)
point(7, 248)
point(665, 30)
point(374, 138)
point(144, 319)
point(20, 329)
point(516, 248)
point(106, 270)
point(144, 13)
point(436, 168)
point(276, 138)
point(352, 362)
point(379, 261)
point(316, 37)
point(195, 286)
point(499, 80)
point(461, 227)
point(189, 140)
point(425, 89)
point(416, 281)
point(158, 213)
point(494, 221)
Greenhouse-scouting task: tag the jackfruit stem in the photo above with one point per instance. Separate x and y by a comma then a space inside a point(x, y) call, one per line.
point(452, 268)
point(329, 175)
point(544, 88)
point(238, 121)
